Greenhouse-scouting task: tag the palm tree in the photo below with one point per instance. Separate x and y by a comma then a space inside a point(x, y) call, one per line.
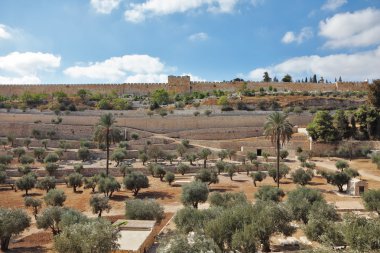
point(105, 132)
point(280, 130)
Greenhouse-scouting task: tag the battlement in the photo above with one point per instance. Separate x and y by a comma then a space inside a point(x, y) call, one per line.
point(177, 84)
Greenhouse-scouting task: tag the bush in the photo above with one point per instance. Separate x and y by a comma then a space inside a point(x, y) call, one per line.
point(227, 200)
point(372, 200)
point(137, 209)
point(55, 197)
point(5, 159)
point(51, 168)
point(269, 193)
point(25, 159)
point(83, 153)
point(51, 158)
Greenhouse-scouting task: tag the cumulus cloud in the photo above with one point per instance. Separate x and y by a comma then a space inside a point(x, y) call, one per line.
point(28, 62)
point(105, 6)
point(347, 30)
point(4, 32)
point(25, 67)
point(198, 36)
point(138, 12)
point(290, 37)
point(332, 5)
point(356, 66)
point(127, 68)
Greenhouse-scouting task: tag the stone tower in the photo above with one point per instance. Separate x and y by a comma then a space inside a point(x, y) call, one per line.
point(179, 84)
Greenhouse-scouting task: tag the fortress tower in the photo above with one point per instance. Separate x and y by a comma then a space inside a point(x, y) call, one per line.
point(179, 84)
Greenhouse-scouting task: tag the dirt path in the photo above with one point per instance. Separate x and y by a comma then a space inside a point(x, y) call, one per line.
point(330, 165)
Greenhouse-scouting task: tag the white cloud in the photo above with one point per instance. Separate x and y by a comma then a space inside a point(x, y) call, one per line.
point(105, 6)
point(20, 80)
point(29, 62)
point(198, 36)
point(127, 68)
point(4, 32)
point(347, 30)
point(193, 77)
point(290, 37)
point(356, 66)
point(25, 67)
point(332, 5)
point(138, 12)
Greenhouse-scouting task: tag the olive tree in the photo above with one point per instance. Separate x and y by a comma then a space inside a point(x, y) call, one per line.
point(46, 183)
point(372, 200)
point(76, 237)
point(55, 197)
point(34, 203)
point(204, 154)
point(169, 177)
point(99, 204)
point(207, 176)
point(12, 222)
point(302, 177)
point(300, 202)
point(135, 182)
point(75, 180)
point(182, 168)
point(26, 182)
point(194, 193)
point(258, 177)
point(57, 218)
point(108, 185)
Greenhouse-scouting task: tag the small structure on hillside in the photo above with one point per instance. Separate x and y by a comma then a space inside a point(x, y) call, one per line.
point(356, 187)
point(136, 235)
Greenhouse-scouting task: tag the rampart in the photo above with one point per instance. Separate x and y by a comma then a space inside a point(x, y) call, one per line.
point(177, 84)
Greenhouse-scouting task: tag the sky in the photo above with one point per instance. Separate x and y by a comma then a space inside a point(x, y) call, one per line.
point(118, 41)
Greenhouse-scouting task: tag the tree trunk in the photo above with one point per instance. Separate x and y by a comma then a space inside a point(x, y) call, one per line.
point(278, 160)
point(204, 163)
point(100, 214)
point(254, 183)
point(266, 246)
point(195, 205)
point(108, 149)
point(5, 243)
point(75, 188)
point(26, 192)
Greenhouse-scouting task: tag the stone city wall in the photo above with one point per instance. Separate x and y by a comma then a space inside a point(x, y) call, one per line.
point(177, 84)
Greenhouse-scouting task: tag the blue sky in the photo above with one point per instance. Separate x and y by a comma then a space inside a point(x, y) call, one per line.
point(95, 41)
